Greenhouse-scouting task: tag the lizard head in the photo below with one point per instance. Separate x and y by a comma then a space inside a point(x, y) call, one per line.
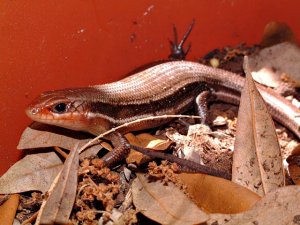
point(57, 108)
point(65, 108)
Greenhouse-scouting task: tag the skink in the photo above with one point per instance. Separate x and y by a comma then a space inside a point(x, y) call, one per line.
point(168, 88)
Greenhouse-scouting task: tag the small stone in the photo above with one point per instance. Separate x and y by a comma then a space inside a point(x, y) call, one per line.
point(214, 62)
point(219, 121)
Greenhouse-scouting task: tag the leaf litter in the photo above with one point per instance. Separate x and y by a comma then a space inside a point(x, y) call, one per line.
point(123, 194)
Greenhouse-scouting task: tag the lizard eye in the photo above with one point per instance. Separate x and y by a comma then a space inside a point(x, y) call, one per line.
point(59, 108)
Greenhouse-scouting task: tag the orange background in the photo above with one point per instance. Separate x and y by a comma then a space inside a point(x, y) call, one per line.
point(57, 44)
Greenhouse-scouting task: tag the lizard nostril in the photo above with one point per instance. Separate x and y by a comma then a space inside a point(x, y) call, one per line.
point(34, 111)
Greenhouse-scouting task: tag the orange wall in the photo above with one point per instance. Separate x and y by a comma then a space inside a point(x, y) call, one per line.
point(55, 44)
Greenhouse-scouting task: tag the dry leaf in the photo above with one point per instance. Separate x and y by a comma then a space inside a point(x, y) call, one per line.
point(8, 210)
point(268, 77)
point(41, 136)
point(153, 142)
point(16, 222)
point(58, 206)
point(165, 204)
point(281, 63)
point(106, 145)
point(277, 32)
point(3, 198)
point(278, 207)
point(33, 172)
point(294, 165)
point(146, 141)
point(194, 147)
point(257, 162)
point(134, 156)
point(217, 195)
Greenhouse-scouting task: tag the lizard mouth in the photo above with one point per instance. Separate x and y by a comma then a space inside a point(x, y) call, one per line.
point(68, 120)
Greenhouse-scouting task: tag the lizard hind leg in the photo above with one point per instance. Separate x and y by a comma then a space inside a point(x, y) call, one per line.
point(201, 105)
